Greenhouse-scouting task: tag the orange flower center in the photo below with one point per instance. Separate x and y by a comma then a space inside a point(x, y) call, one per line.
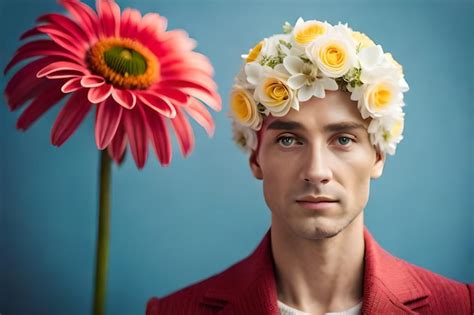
point(124, 63)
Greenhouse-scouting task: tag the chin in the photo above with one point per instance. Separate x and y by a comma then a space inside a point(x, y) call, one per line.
point(322, 229)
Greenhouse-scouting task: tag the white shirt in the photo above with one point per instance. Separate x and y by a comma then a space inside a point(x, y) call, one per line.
point(288, 310)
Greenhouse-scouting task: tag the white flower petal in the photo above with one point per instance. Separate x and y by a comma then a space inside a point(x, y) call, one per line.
point(297, 81)
point(293, 64)
point(329, 84)
point(370, 56)
point(318, 90)
point(253, 71)
point(305, 93)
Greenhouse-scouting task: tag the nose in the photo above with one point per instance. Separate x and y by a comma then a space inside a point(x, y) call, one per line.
point(316, 165)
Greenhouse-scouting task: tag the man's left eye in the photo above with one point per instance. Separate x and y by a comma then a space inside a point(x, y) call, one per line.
point(344, 140)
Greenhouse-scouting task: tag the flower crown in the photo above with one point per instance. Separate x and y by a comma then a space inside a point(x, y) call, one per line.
point(305, 61)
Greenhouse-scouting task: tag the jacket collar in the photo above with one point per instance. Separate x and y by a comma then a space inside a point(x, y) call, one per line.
point(249, 286)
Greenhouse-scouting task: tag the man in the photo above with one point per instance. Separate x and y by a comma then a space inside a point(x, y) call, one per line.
point(316, 157)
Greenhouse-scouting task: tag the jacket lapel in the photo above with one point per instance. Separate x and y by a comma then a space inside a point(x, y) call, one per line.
point(249, 287)
point(390, 285)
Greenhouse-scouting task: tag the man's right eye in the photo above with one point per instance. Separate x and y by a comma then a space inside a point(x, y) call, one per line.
point(286, 141)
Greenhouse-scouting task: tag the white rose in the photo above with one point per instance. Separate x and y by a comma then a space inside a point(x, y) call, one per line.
point(245, 137)
point(379, 98)
point(387, 131)
point(334, 54)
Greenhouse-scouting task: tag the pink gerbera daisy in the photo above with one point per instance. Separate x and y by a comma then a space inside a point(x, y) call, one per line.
point(137, 74)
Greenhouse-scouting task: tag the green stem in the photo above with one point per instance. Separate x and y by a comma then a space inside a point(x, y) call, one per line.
point(103, 235)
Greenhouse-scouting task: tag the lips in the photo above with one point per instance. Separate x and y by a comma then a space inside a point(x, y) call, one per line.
point(316, 199)
point(316, 202)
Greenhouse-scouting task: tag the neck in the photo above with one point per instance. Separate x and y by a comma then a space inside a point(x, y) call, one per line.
point(323, 275)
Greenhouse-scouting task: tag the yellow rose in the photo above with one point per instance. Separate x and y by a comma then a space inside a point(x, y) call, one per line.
point(275, 91)
point(308, 31)
point(276, 96)
point(244, 108)
point(252, 56)
point(333, 59)
point(380, 97)
point(362, 39)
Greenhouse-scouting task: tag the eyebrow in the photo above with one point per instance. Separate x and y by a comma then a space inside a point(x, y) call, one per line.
point(293, 125)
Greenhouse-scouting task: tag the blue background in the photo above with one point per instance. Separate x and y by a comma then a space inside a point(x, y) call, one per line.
point(173, 226)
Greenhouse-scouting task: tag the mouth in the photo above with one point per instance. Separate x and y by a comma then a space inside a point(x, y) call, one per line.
point(316, 203)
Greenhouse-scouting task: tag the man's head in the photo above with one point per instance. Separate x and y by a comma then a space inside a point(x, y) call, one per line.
point(318, 108)
point(322, 150)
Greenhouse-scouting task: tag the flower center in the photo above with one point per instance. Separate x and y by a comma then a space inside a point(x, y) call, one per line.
point(334, 56)
point(309, 33)
point(124, 63)
point(382, 97)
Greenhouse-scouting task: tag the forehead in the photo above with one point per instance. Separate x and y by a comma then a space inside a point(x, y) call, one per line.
point(335, 112)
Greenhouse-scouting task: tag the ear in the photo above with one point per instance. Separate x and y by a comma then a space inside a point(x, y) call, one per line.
point(377, 168)
point(255, 166)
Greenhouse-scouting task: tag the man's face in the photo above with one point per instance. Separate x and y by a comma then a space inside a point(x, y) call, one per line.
point(322, 150)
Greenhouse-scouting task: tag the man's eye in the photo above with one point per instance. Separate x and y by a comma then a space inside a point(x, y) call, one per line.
point(286, 141)
point(343, 140)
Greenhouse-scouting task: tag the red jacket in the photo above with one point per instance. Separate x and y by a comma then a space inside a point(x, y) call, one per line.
point(391, 286)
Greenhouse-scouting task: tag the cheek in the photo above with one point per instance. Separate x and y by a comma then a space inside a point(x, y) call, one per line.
point(358, 185)
point(277, 180)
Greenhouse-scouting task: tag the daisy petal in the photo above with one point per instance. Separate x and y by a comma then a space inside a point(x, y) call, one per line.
point(159, 136)
point(72, 85)
point(109, 17)
point(210, 97)
point(184, 132)
point(152, 25)
point(24, 83)
point(62, 66)
point(63, 40)
point(84, 15)
point(135, 127)
point(92, 81)
point(158, 103)
point(213, 101)
point(70, 117)
point(125, 98)
point(99, 94)
point(201, 115)
point(66, 25)
point(176, 96)
point(195, 77)
point(129, 22)
point(31, 32)
point(189, 60)
point(41, 104)
point(108, 115)
point(118, 145)
point(40, 48)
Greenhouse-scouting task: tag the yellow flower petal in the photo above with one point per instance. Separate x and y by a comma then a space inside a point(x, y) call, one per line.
point(252, 56)
point(308, 32)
